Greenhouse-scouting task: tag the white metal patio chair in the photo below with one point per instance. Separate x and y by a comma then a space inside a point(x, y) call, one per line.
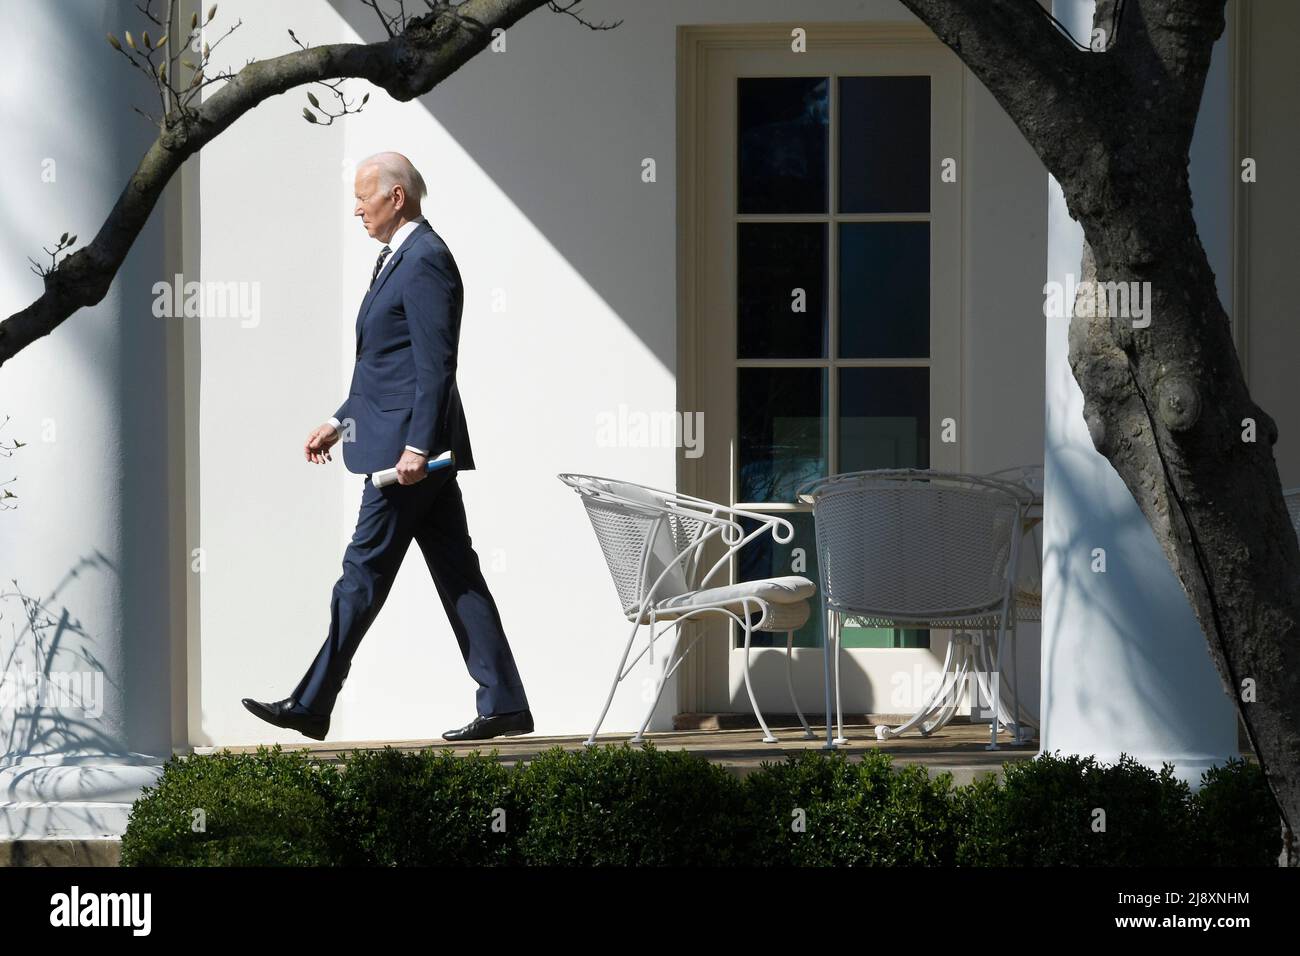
point(920, 548)
point(653, 542)
point(1026, 483)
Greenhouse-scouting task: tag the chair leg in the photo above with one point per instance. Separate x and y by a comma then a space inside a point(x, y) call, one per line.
point(669, 667)
point(997, 684)
point(618, 677)
point(985, 659)
point(767, 734)
point(1023, 716)
point(931, 703)
point(951, 702)
point(789, 682)
point(839, 701)
point(1015, 688)
point(983, 669)
point(827, 649)
point(995, 694)
point(937, 706)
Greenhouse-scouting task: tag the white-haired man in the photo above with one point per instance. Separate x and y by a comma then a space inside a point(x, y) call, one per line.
point(403, 407)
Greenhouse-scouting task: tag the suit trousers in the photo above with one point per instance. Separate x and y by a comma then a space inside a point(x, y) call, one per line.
point(432, 513)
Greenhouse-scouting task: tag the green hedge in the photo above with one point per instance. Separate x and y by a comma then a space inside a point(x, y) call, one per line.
point(626, 807)
point(620, 806)
point(818, 810)
point(413, 809)
point(265, 809)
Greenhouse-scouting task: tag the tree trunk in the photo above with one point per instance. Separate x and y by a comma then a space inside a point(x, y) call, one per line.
point(1166, 404)
point(1169, 410)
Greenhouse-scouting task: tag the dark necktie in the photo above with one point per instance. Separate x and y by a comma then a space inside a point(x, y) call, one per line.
point(379, 264)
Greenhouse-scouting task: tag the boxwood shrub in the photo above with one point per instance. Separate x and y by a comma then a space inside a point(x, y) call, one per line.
point(825, 810)
point(620, 806)
point(410, 809)
point(1235, 820)
point(268, 808)
point(1072, 811)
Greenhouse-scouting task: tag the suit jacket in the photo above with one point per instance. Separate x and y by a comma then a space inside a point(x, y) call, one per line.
point(403, 388)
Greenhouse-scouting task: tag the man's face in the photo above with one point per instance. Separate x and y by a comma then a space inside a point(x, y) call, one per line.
point(379, 209)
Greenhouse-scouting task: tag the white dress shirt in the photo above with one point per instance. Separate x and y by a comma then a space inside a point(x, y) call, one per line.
point(395, 243)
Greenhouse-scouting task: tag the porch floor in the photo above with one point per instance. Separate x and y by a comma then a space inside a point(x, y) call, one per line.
point(958, 747)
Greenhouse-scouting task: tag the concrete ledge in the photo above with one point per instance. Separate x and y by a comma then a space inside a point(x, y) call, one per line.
point(745, 720)
point(71, 798)
point(60, 853)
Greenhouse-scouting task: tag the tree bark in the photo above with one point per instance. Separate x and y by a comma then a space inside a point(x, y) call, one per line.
point(408, 65)
point(1167, 405)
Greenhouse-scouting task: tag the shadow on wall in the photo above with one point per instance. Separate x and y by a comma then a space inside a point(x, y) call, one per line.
point(1130, 616)
point(581, 191)
point(52, 695)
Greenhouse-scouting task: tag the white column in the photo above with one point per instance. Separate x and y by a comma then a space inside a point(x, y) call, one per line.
point(1125, 666)
point(88, 540)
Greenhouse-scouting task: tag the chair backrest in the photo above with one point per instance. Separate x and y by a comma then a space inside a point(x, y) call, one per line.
point(1027, 483)
point(1292, 498)
point(1030, 478)
point(647, 536)
point(915, 546)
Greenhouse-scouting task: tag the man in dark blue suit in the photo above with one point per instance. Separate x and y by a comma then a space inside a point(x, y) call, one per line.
point(404, 407)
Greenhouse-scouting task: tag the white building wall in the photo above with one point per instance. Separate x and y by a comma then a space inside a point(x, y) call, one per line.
point(84, 551)
point(1269, 209)
point(533, 159)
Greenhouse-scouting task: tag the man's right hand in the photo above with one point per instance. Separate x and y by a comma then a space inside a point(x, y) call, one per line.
point(319, 443)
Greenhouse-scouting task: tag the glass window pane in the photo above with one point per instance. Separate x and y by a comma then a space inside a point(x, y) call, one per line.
point(784, 129)
point(884, 143)
point(773, 260)
point(884, 418)
point(765, 558)
point(853, 636)
point(884, 306)
point(782, 431)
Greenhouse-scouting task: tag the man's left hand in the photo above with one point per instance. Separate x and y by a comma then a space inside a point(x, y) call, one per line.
point(410, 468)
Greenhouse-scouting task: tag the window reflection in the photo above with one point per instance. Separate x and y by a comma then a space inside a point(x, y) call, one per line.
point(782, 431)
point(884, 148)
point(772, 260)
point(784, 126)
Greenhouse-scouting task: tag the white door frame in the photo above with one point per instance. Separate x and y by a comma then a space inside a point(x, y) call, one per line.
point(709, 58)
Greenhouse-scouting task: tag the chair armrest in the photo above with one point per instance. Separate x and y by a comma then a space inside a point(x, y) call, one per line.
point(782, 531)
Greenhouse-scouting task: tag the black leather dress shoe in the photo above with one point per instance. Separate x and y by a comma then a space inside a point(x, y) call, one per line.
point(289, 713)
point(498, 725)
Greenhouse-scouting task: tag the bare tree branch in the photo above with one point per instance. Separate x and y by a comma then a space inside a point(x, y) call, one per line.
point(147, 10)
point(568, 8)
point(64, 243)
point(7, 449)
point(405, 66)
point(383, 18)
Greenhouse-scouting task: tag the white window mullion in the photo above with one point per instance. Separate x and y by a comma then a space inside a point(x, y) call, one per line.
point(832, 278)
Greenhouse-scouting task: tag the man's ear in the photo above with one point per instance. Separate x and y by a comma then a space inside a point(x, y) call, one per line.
point(399, 197)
